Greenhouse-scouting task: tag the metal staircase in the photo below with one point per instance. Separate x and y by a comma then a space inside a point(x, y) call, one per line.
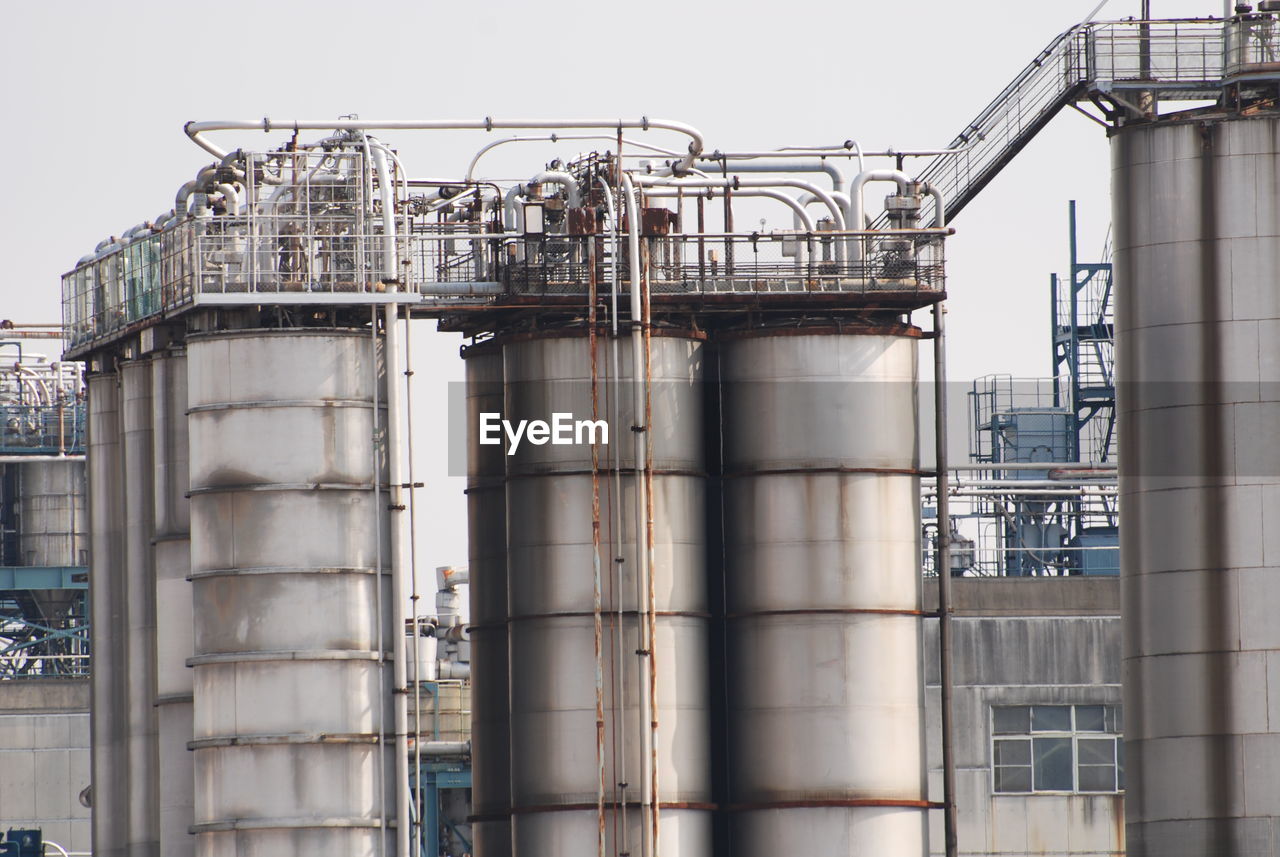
point(1109, 63)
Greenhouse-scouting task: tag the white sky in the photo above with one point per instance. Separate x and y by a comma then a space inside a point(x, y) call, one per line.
point(95, 95)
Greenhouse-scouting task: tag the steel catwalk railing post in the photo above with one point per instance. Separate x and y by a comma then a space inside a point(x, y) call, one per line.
point(944, 579)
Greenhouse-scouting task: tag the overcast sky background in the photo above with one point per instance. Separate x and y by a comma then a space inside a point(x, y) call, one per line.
point(94, 97)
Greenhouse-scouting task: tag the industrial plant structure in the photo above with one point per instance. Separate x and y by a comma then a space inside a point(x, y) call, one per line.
point(698, 615)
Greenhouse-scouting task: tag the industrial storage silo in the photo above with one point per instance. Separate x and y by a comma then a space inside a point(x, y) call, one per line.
point(107, 605)
point(487, 553)
point(139, 624)
point(553, 563)
point(172, 550)
point(1197, 221)
point(823, 591)
point(289, 557)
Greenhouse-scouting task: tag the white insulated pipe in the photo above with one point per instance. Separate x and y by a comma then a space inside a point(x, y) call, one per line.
point(567, 181)
point(735, 182)
point(855, 194)
point(640, 443)
point(749, 165)
point(387, 192)
point(556, 138)
point(197, 130)
point(400, 679)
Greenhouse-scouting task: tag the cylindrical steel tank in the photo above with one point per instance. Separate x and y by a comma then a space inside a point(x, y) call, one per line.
point(140, 607)
point(52, 514)
point(487, 550)
point(552, 566)
point(1197, 254)
point(173, 601)
point(823, 593)
point(109, 715)
point(53, 525)
point(289, 559)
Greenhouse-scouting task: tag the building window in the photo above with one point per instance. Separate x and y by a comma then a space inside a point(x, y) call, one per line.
point(1057, 748)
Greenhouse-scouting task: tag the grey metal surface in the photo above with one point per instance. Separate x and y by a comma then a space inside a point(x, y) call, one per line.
point(109, 718)
point(140, 608)
point(53, 524)
point(1198, 361)
point(552, 560)
point(290, 607)
point(173, 601)
point(490, 661)
point(53, 514)
point(823, 594)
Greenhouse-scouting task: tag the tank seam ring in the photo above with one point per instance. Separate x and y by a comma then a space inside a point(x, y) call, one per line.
point(835, 803)
point(173, 699)
point(587, 614)
point(606, 471)
point(585, 807)
point(283, 824)
point(283, 739)
point(281, 486)
point(365, 404)
point(831, 611)
point(312, 655)
point(280, 569)
point(806, 471)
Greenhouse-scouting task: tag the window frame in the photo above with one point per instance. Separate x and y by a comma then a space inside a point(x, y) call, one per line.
point(1112, 730)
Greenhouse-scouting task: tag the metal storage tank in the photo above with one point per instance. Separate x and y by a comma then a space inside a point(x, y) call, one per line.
point(823, 592)
point(487, 550)
point(140, 607)
point(173, 601)
point(1197, 226)
point(289, 560)
point(53, 514)
point(107, 605)
point(551, 563)
point(53, 524)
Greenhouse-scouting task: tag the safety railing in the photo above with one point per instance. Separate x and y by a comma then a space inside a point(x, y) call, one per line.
point(57, 429)
point(286, 254)
point(1175, 58)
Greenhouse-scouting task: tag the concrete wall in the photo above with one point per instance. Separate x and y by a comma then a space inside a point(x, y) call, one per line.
point(1024, 641)
point(44, 758)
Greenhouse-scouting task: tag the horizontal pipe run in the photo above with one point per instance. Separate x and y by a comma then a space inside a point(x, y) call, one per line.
point(197, 130)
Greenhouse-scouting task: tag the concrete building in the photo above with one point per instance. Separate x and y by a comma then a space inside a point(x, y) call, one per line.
point(44, 758)
point(1039, 757)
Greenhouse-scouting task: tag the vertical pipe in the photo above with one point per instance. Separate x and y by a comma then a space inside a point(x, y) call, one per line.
point(640, 464)
point(946, 690)
point(399, 520)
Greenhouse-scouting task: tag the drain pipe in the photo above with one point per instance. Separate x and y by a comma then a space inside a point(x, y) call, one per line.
point(197, 130)
point(946, 690)
point(615, 370)
point(391, 347)
point(640, 446)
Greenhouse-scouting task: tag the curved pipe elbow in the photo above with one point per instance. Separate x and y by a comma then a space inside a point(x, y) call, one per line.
point(565, 180)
